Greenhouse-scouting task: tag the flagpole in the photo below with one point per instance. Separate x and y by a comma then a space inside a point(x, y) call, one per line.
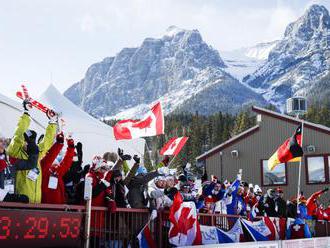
point(169, 164)
point(300, 163)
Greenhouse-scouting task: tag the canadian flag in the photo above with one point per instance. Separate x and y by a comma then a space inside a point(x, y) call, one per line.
point(152, 124)
point(185, 228)
point(173, 146)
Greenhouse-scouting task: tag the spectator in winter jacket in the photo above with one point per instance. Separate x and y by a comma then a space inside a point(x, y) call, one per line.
point(237, 205)
point(138, 185)
point(298, 230)
point(302, 213)
point(187, 195)
point(101, 177)
point(280, 204)
point(74, 174)
point(312, 202)
point(156, 193)
point(53, 190)
point(8, 170)
point(291, 208)
point(269, 204)
point(28, 182)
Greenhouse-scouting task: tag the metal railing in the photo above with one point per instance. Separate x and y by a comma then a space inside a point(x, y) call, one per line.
point(32, 225)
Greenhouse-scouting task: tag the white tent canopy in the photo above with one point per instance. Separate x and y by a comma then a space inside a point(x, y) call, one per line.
point(11, 110)
point(95, 136)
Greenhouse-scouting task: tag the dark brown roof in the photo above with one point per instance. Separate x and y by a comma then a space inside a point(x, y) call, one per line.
point(290, 119)
point(248, 132)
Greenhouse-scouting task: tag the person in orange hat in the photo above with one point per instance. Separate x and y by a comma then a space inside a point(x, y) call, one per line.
point(302, 213)
point(291, 208)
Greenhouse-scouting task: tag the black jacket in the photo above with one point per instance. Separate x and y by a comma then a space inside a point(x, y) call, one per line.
point(269, 206)
point(137, 187)
point(291, 210)
point(280, 205)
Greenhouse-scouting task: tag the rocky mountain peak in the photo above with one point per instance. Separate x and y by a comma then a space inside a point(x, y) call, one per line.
point(315, 20)
point(174, 68)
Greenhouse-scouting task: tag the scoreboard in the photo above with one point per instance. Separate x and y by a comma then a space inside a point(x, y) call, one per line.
point(37, 228)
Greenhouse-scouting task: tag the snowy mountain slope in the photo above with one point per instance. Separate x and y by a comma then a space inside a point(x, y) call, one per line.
point(297, 61)
point(244, 61)
point(173, 69)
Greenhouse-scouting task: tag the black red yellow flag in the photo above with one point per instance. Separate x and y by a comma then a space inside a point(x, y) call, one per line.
point(289, 151)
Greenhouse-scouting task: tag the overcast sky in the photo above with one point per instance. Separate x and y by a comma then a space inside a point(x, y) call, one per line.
point(56, 40)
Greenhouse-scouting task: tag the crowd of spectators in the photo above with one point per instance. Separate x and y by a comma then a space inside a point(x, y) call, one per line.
point(50, 169)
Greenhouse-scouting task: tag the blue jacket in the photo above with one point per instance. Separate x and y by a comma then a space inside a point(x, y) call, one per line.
point(232, 207)
point(307, 233)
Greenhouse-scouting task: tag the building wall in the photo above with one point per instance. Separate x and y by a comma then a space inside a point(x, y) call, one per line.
point(261, 145)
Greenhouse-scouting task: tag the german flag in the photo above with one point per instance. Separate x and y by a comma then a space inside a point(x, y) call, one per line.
point(289, 151)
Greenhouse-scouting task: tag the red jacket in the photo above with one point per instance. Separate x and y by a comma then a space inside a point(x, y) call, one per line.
point(98, 200)
point(98, 217)
point(311, 205)
point(55, 196)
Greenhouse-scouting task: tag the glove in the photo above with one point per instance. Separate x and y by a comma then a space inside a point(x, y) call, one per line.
point(52, 116)
point(60, 138)
point(30, 136)
point(27, 105)
point(79, 151)
point(136, 159)
point(153, 214)
point(163, 171)
point(123, 156)
point(32, 148)
point(70, 143)
point(325, 190)
point(112, 206)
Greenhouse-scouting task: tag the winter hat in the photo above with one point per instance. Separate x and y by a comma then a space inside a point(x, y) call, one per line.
point(160, 178)
point(141, 170)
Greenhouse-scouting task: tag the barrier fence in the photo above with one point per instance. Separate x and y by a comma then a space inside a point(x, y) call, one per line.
point(48, 225)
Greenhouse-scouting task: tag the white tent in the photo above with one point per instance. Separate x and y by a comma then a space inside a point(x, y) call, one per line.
point(95, 136)
point(10, 111)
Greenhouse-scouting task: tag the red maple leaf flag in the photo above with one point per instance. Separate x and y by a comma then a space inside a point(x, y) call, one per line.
point(152, 124)
point(185, 229)
point(173, 146)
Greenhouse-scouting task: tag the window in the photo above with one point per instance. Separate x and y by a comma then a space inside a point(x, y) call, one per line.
point(274, 177)
point(317, 169)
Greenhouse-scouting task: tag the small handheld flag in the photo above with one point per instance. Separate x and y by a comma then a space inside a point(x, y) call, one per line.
point(173, 146)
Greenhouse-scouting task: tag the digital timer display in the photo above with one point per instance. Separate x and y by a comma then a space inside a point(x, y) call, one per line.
point(32, 228)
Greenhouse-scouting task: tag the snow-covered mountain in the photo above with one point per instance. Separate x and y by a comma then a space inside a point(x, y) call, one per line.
point(179, 69)
point(297, 61)
point(244, 61)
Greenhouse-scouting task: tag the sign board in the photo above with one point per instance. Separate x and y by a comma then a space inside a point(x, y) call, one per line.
point(37, 228)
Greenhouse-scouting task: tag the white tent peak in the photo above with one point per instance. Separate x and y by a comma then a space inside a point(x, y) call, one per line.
point(96, 136)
